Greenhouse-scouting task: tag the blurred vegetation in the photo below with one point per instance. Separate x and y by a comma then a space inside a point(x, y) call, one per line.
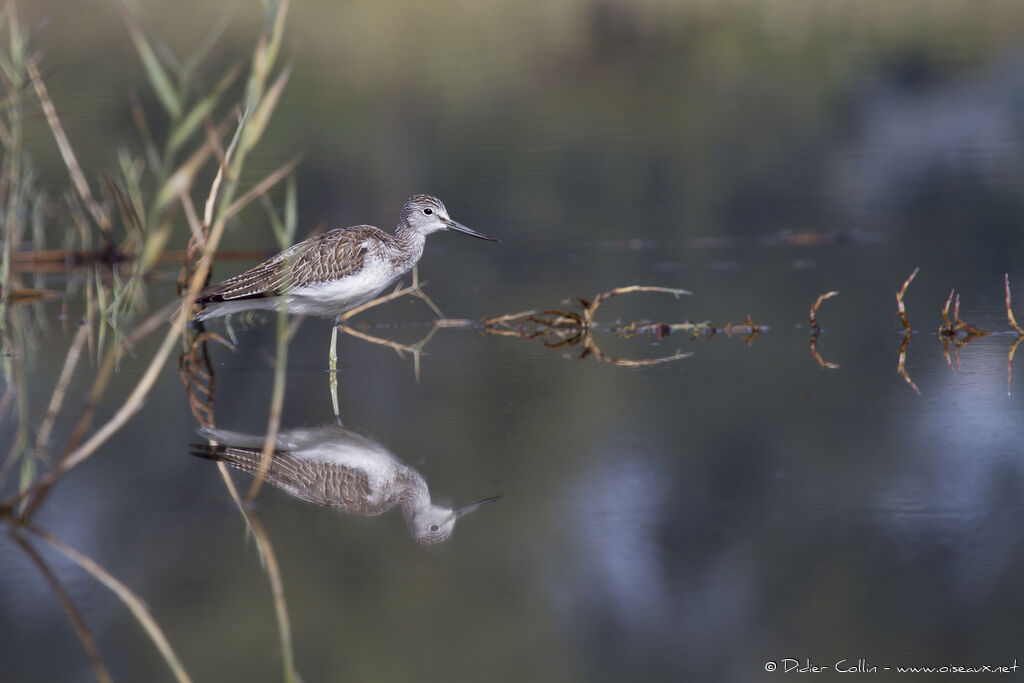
point(117, 239)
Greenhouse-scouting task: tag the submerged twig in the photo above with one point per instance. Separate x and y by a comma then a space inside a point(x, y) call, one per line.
point(950, 329)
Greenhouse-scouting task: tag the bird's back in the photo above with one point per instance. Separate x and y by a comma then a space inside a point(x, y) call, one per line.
point(336, 486)
point(332, 256)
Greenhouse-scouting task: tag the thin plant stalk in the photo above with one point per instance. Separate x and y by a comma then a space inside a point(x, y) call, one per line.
point(276, 402)
point(66, 151)
point(900, 308)
point(1009, 310)
point(60, 390)
point(280, 605)
point(285, 232)
point(268, 560)
point(74, 616)
point(132, 601)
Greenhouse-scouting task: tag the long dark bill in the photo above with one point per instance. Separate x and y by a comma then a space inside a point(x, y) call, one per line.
point(455, 225)
point(462, 511)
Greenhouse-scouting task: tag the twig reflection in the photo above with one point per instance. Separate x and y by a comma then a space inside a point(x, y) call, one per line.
point(901, 365)
point(816, 330)
point(1016, 328)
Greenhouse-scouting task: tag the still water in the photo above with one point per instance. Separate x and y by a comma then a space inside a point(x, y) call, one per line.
point(739, 505)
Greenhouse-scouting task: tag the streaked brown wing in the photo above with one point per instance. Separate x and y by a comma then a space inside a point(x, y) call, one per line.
point(324, 484)
point(330, 256)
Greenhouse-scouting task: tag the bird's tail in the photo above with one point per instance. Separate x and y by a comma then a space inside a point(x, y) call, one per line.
point(245, 459)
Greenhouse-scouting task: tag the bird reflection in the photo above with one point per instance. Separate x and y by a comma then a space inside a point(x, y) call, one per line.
point(338, 468)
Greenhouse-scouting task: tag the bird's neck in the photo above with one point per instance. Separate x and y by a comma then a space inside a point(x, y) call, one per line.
point(416, 495)
point(410, 244)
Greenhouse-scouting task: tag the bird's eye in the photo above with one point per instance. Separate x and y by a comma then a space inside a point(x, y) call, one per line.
point(427, 212)
point(434, 527)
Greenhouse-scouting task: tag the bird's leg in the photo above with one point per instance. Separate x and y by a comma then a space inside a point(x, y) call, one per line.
point(230, 330)
point(416, 291)
point(332, 366)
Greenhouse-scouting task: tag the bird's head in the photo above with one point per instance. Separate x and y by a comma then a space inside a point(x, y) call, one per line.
point(435, 523)
point(425, 214)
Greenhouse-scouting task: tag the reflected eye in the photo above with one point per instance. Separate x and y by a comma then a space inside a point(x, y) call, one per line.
point(433, 527)
point(427, 212)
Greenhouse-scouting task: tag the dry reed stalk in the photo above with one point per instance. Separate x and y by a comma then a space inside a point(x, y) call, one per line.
point(589, 308)
point(1009, 311)
point(814, 310)
point(59, 391)
point(67, 153)
point(901, 309)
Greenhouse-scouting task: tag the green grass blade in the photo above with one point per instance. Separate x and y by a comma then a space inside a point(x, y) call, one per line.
point(264, 110)
point(158, 77)
point(268, 47)
point(184, 130)
point(181, 179)
point(291, 209)
point(211, 38)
